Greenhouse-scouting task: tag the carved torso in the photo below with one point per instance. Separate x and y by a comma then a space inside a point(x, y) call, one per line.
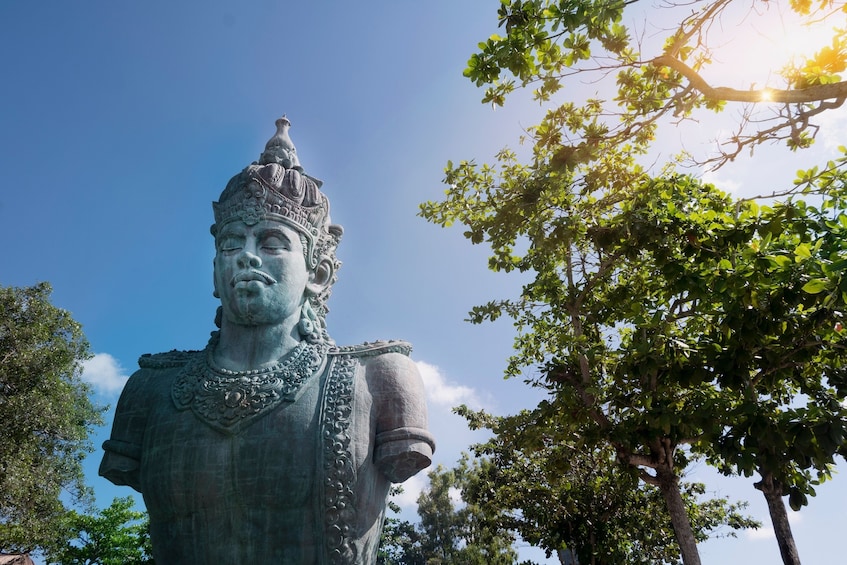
point(189, 470)
point(245, 469)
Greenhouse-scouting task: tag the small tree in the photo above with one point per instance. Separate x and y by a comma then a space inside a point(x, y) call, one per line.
point(562, 497)
point(117, 535)
point(449, 532)
point(46, 417)
point(399, 543)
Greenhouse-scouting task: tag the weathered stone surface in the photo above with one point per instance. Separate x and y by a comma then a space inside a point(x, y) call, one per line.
point(272, 445)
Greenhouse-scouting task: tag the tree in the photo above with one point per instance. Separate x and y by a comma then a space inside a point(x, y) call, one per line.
point(622, 320)
point(448, 532)
point(781, 352)
point(117, 535)
point(675, 317)
point(47, 416)
point(561, 497)
point(753, 317)
point(399, 543)
point(548, 42)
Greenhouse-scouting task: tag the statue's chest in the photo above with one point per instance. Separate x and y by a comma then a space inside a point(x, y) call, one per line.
point(268, 459)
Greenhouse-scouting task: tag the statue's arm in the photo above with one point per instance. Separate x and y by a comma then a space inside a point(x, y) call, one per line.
point(404, 445)
point(122, 451)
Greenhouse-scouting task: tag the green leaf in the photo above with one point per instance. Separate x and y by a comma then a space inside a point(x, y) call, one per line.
point(802, 252)
point(816, 286)
point(797, 500)
point(780, 261)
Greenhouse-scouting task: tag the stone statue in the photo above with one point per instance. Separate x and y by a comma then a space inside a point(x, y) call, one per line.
point(273, 445)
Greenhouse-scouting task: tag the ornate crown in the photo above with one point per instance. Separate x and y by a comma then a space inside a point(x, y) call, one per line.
point(276, 188)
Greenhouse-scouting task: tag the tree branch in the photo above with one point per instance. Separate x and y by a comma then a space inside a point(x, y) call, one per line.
point(835, 91)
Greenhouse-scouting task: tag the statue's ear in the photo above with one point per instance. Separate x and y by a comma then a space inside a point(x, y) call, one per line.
point(321, 277)
point(215, 292)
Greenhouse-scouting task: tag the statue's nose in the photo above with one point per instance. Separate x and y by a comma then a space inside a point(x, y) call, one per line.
point(248, 259)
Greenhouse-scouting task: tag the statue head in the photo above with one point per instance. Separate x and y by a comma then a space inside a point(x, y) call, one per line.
point(275, 191)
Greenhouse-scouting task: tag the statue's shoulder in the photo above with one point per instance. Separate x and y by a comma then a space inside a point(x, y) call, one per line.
point(373, 349)
point(167, 360)
point(385, 364)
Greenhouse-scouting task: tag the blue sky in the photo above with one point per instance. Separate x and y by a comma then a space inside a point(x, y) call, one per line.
point(121, 121)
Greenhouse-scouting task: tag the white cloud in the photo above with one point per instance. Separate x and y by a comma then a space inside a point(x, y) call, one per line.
point(726, 185)
point(455, 495)
point(832, 127)
point(763, 533)
point(412, 489)
point(443, 393)
point(104, 373)
point(766, 532)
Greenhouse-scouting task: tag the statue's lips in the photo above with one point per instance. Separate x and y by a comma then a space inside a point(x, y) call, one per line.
point(253, 275)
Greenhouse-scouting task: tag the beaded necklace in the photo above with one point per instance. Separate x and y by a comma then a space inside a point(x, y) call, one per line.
point(227, 400)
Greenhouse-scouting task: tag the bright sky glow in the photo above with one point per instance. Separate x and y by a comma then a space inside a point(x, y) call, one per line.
point(751, 45)
point(786, 39)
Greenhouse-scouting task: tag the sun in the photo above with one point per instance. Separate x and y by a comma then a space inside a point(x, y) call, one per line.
point(800, 45)
point(759, 46)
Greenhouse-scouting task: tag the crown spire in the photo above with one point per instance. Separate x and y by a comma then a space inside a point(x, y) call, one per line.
point(276, 188)
point(280, 149)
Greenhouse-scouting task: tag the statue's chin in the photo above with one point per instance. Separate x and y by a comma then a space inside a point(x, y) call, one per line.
point(245, 313)
point(251, 314)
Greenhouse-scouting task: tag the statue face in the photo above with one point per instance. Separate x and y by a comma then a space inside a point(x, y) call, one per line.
point(260, 273)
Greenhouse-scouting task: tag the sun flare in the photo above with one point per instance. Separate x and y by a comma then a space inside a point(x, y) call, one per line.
point(760, 47)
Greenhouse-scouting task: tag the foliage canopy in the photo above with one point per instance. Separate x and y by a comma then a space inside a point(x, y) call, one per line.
point(659, 70)
point(47, 416)
point(560, 497)
point(117, 535)
point(450, 531)
point(665, 318)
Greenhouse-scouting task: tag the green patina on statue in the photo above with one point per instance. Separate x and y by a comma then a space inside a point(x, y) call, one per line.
point(273, 445)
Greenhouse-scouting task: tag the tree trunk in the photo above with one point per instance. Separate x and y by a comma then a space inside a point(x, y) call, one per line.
point(772, 490)
point(567, 557)
point(669, 486)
